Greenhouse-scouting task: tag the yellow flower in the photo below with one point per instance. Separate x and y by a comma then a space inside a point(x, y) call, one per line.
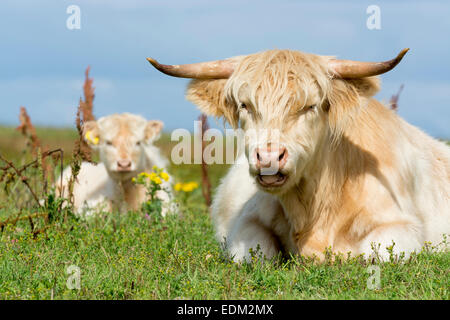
point(164, 175)
point(194, 185)
point(156, 180)
point(144, 174)
point(186, 187)
point(133, 180)
point(89, 138)
point(190, 186)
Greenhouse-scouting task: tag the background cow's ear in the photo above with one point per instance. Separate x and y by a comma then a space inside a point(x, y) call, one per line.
point(153, 130)
point(346, 95)
point(209, 96)
point(91, 133)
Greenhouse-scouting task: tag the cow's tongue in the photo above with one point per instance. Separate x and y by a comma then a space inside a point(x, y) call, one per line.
point(269, 179)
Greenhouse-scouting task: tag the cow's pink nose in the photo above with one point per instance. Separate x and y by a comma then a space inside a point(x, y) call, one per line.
point(273, 157)
point(124, 164)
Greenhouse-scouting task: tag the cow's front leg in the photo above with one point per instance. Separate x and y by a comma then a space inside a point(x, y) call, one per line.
point(394, 239)
point(254, 232)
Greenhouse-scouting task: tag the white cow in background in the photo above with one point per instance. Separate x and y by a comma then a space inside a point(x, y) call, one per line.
point(125, 146)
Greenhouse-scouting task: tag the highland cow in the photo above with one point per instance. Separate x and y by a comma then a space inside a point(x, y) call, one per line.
point(349, 172)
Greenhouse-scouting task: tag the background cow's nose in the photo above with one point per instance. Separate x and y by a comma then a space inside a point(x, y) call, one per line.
point(124, 164)
point(273, 157)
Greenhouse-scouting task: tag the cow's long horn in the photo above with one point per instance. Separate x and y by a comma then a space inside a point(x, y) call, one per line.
point(349, 69)
point(219, 69)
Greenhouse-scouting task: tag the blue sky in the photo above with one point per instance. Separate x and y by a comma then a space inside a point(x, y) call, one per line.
point(42, 62)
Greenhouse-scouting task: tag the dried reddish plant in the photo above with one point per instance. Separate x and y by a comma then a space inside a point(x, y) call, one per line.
point(393, 103)
point(9, 172)
point(87, 105)
point(82, 151)
point(34, 144)
point(206, 185)
point(81, 148)
point(85, 113)
point(28, 130)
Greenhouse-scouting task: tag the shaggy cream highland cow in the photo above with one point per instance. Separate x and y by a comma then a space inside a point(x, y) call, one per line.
point(349, 172)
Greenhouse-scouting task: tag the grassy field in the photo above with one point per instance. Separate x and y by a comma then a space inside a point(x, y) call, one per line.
point(134, 256)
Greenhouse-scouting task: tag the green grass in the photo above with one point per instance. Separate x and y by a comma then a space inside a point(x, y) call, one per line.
point(128, 256)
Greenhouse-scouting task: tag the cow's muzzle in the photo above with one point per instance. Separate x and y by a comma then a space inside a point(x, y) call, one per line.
point(124, 165)
point(269, 163)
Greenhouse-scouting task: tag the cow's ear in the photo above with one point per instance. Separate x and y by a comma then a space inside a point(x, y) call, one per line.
point(153, 130)
point(366, 87)
point(210, 97)
point(347, 95)
point(91, 133)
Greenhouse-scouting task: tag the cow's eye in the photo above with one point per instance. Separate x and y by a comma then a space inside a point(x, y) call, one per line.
point(243, 106)
point(313, 107)
point(108, 143)
point(138, 143)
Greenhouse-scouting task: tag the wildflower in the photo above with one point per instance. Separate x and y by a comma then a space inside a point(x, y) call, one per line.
point(152, 176)
point(157, 180)
point(186, 187)
point(144, 174)
point(190, 186)
point(164, 175)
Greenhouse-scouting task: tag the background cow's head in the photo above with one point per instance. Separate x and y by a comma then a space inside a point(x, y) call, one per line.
point(288, 101)
point(121, 140)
